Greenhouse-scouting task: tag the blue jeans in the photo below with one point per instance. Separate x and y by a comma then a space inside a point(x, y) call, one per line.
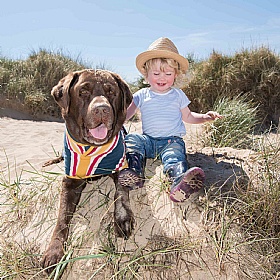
point(170, 150)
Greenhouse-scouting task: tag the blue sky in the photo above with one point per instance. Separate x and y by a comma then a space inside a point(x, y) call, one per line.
point(113, 33)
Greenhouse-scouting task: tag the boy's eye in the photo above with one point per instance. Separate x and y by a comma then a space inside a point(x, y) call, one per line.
point(156, 73)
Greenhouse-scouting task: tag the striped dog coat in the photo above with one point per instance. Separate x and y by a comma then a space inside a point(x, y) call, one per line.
point(84, 161)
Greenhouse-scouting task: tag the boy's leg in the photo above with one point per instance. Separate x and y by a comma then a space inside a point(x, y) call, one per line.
point(184, 181)
point(133, 177)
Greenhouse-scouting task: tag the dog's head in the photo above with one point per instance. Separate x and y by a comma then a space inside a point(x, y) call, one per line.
point(93, 104)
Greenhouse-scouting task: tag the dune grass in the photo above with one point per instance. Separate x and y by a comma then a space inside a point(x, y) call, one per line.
point(250, 73)
point(28, 83)
point(236, 127)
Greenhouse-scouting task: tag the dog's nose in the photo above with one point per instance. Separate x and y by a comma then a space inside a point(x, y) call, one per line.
point(101, 109)
point(99, 106)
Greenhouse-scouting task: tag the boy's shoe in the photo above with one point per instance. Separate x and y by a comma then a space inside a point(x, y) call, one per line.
point(133, 176)
point(190, 182)
point(130, 179)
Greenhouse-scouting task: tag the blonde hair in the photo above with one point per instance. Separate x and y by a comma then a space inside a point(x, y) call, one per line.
point(163, 62)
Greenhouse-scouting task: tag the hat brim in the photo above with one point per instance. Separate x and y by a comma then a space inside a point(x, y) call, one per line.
point(143, 57)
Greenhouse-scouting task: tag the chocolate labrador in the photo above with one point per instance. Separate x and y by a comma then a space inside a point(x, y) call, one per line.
point(93, 104)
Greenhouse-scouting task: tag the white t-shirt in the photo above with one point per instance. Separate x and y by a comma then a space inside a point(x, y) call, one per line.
point(161, 112)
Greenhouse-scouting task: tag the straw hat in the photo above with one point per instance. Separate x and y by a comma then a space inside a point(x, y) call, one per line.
point(161, 48)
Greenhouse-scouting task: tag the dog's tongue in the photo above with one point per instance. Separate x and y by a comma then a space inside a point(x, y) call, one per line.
point(99, 132)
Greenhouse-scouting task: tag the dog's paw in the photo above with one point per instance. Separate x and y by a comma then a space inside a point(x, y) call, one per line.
point(124, 223)
point(52, 256)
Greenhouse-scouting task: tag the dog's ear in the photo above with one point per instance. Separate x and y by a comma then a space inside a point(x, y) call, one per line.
point(126, 93)
point(60, 92)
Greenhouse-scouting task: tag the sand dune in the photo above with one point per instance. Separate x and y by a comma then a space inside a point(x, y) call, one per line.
point(26, 144)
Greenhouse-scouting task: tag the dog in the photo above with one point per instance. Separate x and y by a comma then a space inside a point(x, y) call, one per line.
point(93, 105)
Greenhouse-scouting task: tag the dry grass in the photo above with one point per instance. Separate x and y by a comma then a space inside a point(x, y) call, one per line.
point(254, 74)
point(236, 127)
point(251, 73)
point(26, 84)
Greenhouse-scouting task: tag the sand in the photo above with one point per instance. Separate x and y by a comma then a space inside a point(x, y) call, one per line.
point(26, 144)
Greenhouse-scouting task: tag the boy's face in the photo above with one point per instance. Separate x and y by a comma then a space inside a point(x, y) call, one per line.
point(161, 77)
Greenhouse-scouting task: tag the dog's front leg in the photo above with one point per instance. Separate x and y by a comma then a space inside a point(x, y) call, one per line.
point(124, 218)
point(69, 198)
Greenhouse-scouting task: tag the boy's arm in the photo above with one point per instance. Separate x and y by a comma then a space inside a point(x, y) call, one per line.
point(131, 110)
point(195, 118)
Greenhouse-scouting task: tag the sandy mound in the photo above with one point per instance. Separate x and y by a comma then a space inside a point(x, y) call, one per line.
point(170, 241)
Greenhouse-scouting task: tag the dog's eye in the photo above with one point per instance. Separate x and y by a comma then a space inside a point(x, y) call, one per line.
point(111, 92)
point(84, 92)
point(109, 89)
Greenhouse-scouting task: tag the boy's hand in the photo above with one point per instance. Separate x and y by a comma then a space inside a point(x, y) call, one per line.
point(214, 115)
